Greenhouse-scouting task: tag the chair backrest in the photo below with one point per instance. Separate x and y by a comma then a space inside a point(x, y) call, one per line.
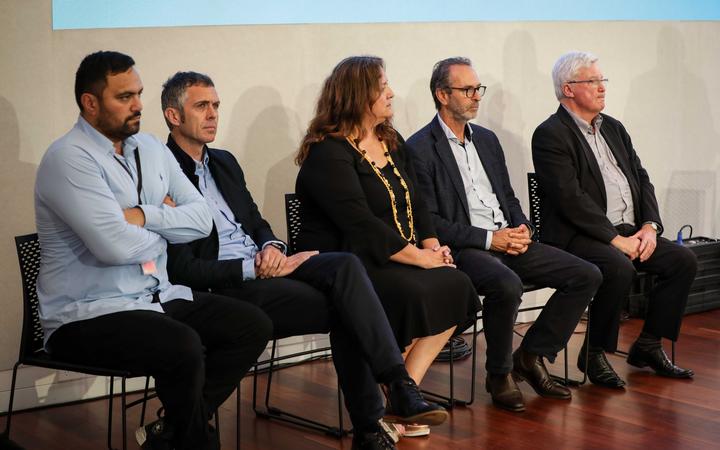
point(28, 252)
point(292, 216)
point(534, 195)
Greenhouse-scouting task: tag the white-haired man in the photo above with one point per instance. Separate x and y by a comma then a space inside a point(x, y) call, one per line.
point(598, 203)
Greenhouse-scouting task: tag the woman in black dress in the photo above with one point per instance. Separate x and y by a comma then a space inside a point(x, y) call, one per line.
point(356, 188)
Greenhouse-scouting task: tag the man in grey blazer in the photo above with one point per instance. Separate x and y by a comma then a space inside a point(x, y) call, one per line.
point(462, 175)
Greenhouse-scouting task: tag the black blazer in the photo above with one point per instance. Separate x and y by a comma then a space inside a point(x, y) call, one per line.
point(345, 207)
point(195, 264)
point(574, 200)
point(442, 187)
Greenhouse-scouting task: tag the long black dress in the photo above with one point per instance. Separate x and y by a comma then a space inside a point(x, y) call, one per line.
point(346, 207)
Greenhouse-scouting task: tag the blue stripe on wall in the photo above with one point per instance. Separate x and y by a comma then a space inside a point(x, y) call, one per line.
point(76, 14)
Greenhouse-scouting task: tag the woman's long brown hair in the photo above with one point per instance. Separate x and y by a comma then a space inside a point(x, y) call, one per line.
point(347, 95)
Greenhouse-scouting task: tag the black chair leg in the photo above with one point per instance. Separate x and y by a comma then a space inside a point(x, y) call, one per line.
point(12, 399)
point(473, 370)
point(144, 402)
point(340, 409)
point(673, 352)
point(450, 401)
point(124, 414)
point(270, 376)
point(110, 413)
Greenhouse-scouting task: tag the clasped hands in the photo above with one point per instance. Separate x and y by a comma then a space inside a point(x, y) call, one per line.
point(640, 245)
point(513, 241)
point(270, 262)
point(436, 255)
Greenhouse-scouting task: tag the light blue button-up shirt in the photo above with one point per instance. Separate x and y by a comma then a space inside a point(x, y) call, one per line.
point(234, 243)
point(90, 256)
point(483, 204)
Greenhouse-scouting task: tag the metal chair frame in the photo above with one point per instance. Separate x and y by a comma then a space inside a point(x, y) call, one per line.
point(292, 217)
point(31, 341)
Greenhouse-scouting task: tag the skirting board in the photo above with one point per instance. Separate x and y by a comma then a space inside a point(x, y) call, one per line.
point(38, 387)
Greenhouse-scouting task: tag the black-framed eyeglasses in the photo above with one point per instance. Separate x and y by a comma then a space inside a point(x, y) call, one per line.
point(471, 91)
point(594, 83)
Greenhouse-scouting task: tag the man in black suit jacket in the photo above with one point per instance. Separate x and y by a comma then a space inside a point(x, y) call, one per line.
point(598, 203)
point(303, 293)
point(462, 174)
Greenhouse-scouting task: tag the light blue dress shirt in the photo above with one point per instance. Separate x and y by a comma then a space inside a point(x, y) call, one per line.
point(483, 204)
point(90, 256)
point(234, 243)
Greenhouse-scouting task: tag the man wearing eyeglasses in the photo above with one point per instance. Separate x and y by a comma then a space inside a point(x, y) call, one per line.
point(462, 175)
point(598, 203)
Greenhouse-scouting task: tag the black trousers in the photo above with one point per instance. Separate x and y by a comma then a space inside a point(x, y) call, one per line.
point(331, 292)
point(499, 277)
point(674, 266)
point(197, 352)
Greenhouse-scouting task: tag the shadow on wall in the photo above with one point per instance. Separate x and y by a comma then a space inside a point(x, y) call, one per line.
point(412, 116)
point(690, 200)
point(16, 201)
point(264, 137)
point(671, 95)
point(503, 110)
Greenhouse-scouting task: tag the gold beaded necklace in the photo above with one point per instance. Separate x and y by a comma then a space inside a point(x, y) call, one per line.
point(391, 193)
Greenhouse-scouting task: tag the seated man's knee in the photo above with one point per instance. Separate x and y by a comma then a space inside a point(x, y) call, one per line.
point(348, 262)
point(686, 261)
point(248, 323)
point(184, 348)
point(508, 286)
point(588, 275)
point(619, 272)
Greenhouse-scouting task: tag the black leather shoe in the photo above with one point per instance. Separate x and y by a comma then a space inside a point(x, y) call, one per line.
point(504, 392)
point(378, 440)
point(598, 369)
point(657, 360)
point(405, 404)
point(531, 368)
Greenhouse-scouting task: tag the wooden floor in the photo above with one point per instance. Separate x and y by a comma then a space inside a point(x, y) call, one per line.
point(652, 413)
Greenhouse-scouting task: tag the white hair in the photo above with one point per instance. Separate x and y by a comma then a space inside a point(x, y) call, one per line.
point(566, 68)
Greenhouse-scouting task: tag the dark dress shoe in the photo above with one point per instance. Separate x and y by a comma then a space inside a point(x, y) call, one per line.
point(405, 404)
point(598, 369)
point(377, 440)
point(531, 368)
point(504, 392)
point(657, 360)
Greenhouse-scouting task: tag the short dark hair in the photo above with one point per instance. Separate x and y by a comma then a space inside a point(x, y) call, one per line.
point(174, 89)
point(91, 76)
point(441, 74)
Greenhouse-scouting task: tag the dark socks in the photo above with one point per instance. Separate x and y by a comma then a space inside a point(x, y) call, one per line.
point(647, 341)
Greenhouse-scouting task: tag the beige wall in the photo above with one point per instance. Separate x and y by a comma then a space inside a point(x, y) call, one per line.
point(663, 86)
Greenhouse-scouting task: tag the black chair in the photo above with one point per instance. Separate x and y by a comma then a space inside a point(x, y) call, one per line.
point(292, 216)
point(31, 341)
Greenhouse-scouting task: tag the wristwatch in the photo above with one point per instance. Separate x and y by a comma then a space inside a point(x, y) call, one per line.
point(654, 226)
point(282, 247)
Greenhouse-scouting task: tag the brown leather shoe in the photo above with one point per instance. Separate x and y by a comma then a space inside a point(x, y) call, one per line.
point(656, 358)
point(531, 368)
point(504, 392)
